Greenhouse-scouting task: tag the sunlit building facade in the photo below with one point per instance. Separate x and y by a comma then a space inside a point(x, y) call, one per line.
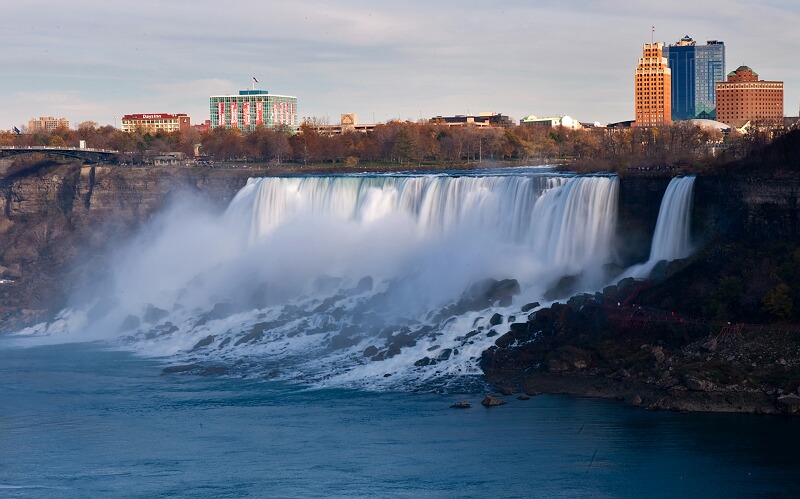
point(155, 122)
point(695, 71)
point(743, 97)
point(46, 124)
point(653, 87)
point(252, 108)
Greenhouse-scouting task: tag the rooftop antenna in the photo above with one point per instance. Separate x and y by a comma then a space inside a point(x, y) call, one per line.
point(652, 34)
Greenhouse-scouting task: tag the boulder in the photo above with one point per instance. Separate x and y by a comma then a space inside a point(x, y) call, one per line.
point(530, 306)
point(490, 401)
point(698, 385)
point(463, 404)
point(130, 322)
point(789, 404)
point(204, 342)
point(496, 320)
point(154, 314)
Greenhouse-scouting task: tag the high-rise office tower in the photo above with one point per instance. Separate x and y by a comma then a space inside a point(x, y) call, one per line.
point(653, 87)
point(695, 71)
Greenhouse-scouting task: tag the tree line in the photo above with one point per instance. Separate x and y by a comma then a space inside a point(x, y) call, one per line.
point(421, 143)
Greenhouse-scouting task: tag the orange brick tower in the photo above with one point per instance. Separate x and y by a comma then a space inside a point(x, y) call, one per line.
point(653, 87)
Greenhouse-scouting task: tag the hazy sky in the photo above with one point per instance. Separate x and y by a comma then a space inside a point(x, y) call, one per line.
point(97, 60)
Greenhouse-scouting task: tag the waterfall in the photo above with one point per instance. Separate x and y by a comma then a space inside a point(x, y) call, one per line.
point(672, 236)
point(351, 280)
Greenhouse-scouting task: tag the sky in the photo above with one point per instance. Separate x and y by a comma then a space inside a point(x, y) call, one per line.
point(95, 60)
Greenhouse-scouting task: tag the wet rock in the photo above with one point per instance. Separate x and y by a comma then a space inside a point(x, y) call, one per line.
point(204, 342)
point(506, 390)
point(224, 342)
point(519, 327)
point(530, 306)
point(490, 401)
point(220, 311)
point(496, 319)
point(213, 371)
point(492, 333)
point(130, 322)
point(154, 314)
point(364, 285)
point(343, 340)
point(634, 400)
point(257, 334)
point(445, 354)
point(470, 335)
point(370, 351)
point(524, 396)
point(464, 404)
point(180, 369)
point(328, 303)
point(425, 361)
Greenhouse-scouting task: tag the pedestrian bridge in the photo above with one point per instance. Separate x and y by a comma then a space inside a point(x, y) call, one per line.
point(87, 155)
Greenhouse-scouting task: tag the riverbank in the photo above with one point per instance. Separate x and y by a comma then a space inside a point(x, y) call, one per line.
point(605, 346)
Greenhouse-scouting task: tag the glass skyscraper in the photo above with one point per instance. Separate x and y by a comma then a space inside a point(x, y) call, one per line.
point(695, 71)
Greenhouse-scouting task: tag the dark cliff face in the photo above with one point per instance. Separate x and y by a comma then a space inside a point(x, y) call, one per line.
point(750, 210)
point(639, 201)
point(58, 223)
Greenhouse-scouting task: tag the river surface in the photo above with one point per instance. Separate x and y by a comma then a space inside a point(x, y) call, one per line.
point(80, 420)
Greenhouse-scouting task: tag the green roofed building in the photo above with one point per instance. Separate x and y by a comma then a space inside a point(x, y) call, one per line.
point(252, 108)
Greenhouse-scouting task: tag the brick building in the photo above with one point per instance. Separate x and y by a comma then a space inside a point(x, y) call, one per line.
point(154, 122)
point(46, 124)
point(743, 97)
point(653, 87)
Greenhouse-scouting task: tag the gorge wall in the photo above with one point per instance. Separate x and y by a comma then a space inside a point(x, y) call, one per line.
point(59, 222)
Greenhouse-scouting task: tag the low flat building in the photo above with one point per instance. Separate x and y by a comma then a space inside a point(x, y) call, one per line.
point(152, 123)
point(347, 123)
point(482, 119)
point(553, 122)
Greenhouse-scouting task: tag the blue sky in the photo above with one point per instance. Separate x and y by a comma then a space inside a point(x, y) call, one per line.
point(97, 60)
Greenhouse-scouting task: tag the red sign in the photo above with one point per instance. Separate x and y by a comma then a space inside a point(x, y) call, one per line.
point(259, 113)
point(246, 114)
point(221, 113)
point(234, 115)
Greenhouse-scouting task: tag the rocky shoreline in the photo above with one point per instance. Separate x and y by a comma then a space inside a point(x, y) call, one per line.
point(593, 346)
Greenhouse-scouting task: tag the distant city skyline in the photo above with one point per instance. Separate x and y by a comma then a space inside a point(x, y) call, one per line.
point(85, 60)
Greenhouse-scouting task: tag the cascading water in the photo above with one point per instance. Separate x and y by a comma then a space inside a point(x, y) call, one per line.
point(351, 280)
point(672, 236)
